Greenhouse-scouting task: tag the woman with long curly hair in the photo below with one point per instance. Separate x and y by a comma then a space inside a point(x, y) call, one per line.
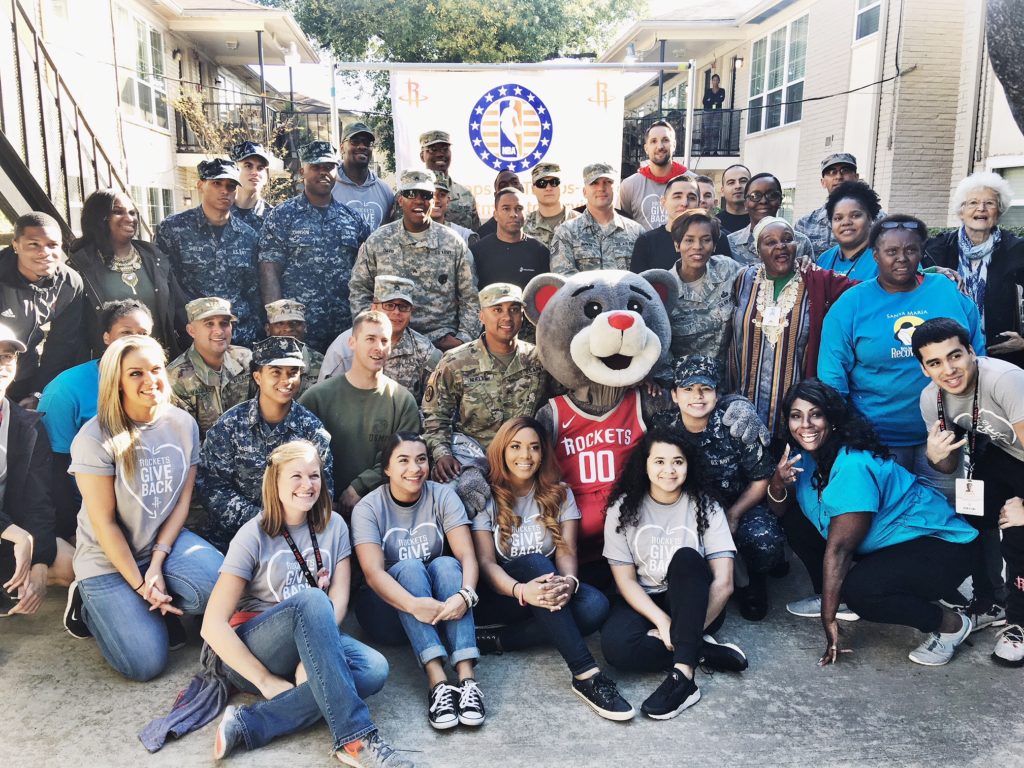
point(669, 547)
point(526, 545)
point(871, 533)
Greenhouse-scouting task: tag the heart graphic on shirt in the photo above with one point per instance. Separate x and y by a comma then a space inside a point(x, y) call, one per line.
point(534, 515)
point(156, 480)
point(413, 549)
point(654, 557)
point(370, 212)
point(284, 569)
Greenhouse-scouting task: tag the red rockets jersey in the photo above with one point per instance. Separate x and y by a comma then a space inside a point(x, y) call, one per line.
point(591, 452)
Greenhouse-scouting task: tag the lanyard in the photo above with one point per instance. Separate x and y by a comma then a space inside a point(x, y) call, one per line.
point(298, 555)
point(972, 435)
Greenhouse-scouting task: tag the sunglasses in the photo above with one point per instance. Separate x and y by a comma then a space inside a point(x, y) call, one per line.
point(771, 197)
point(899, 225)
point(417, 194)
point(545, 183)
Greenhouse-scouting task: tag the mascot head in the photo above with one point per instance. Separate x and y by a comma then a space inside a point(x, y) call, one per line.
point(606, 327)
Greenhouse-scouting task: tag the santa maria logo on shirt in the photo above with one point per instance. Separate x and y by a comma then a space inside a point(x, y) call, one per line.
point(510, 128)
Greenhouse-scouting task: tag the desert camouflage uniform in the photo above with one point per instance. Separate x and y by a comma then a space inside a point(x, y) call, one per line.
point(580, 245)
point(536, 227)
point(470, 393)
point(204, 392)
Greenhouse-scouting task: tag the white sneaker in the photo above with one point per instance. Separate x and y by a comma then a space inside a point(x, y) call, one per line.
point(939, 647)
point(1009, 650)
point(993, 616)
point(810, 608)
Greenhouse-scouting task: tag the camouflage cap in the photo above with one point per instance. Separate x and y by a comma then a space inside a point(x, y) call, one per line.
point(441, 183)
point(283, 310)
point(500, 293)
point(595, 171)
point(434, 137)
point(391, 287)
point(353, 128)
point(208, 306)
point(244, 149)
point(836, 158)
point(278, 350)
point(417, 178)
point(545, 171)
point(698, 369)
point(7, 337)
point(218, 168)
point(318, 152)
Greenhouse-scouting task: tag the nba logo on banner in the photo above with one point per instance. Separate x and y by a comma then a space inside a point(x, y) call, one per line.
point(510, 128)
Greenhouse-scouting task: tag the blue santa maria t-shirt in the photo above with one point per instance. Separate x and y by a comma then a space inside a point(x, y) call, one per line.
point(865, 350)
point(903, 508)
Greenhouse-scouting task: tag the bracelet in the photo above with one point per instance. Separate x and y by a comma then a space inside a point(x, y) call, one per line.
point(577, 583)
point(785, 494)
point(158, 547)
point(522, 594)
point(472, 596)
point(141, 585)
point(465, 599)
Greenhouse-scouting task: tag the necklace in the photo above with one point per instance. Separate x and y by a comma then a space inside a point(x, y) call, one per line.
point(773, 316)
point(128, 267)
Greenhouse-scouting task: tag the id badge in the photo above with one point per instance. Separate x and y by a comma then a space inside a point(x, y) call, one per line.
point(970, 497)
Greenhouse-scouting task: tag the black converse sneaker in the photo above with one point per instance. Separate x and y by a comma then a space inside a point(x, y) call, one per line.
point(441, 708)
point(676, 693)
point(603, 696)
point(73, 621)
point(471, 703)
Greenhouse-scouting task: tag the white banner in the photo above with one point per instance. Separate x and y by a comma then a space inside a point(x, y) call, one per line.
point(514, 119)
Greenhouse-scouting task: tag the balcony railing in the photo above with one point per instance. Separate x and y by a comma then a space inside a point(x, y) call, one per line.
point(715, 133)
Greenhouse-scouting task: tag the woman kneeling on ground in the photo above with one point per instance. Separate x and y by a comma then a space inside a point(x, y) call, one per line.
point(671, 554)
point(414, 592)
point(274, 617)
point(883, 542)
point(526, 544)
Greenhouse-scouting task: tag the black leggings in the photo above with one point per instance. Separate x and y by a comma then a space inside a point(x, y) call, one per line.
point(624, 639)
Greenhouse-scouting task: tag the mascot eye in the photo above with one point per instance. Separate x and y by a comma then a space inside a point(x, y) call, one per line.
point(592, 309)
point(635, 306)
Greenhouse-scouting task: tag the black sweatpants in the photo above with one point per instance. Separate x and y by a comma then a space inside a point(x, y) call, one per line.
point(1004, 479)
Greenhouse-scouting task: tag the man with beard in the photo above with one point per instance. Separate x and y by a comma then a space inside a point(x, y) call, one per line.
point(640, 193)
point(358, 187)
point(436, 154)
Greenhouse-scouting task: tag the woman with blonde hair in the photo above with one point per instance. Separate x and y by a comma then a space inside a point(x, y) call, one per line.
point(274, 618)
point(526, 545)
point(135, 564)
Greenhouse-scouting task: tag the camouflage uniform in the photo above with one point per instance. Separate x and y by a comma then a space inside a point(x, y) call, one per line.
point(702, 318)
point(206, 266)
point(440, 265)
point(462, 207)
point(536, 227)
point(580, 245)
point(254, 216)
point(234, 457)
point(316, 254)
point(409, 362)
point(470, 389)
point(204, 392)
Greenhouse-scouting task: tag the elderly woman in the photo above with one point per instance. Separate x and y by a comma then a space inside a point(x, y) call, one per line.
point(763, 198)
point(990, 260)
point(776, 322)
point(851, 208)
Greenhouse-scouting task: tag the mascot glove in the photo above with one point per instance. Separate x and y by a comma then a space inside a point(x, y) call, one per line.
point(743, 421)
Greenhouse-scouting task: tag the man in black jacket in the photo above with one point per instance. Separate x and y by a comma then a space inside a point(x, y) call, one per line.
point(37, 289)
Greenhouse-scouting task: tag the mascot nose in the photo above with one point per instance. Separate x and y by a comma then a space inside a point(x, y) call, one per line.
point(620, 322)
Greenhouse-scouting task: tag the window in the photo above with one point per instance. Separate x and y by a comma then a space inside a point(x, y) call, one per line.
point(1014, 216)
point(778, 64)
point(140, 50)
point(869, 13)
point(154, 204)
point(786, 208)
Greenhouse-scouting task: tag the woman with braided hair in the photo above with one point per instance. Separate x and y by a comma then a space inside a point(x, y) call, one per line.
point(671, 554)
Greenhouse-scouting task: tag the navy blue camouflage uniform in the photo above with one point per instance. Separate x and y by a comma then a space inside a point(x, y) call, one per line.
point(254, 216)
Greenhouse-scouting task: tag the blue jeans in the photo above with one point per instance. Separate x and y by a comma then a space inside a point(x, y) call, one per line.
point(341, 672)
point(530, 626)
point(440, 578)
point(132, 638)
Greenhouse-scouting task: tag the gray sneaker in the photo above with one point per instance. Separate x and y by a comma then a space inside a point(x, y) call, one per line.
point(810, 608)
point(939, 647)
point(1009, 650)
point(371, 751)
point(993, 616)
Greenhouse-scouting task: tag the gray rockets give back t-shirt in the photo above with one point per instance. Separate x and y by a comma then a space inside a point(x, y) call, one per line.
point(167, 450)
point(269, 565)
point(407, 533)
point(531, 536)
point(660, 531)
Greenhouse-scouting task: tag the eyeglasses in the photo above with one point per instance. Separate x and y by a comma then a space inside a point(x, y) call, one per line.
point(417, 194)
point(545, 183)
point(973, 205)
point(900, 225)
point(396, 306)
point(8, 358)
point(771, 197)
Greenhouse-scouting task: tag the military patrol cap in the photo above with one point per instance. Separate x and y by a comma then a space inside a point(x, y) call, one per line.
point(417, 178)
point(318, 152)
point(595, 171)
point(545, 171)
point(391, 287)
point(434, 137)
point(698, 369)
point(500, 293)
point(285, 309)
point(244, 149)
point(209, 306)
point(278, 350)
point(353, 128)
point(836, 158)
point(218, 168)
point(7, 337)
point(442, 184)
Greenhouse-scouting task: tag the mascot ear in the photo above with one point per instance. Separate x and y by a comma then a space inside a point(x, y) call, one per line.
point(540, 290)
point(666, 284)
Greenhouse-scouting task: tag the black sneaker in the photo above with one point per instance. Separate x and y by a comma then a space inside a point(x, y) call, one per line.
point(73, 621)
point(7, 602)
point(676, 693)
point(753, 599)
point(603, 696)
point(441, 707)
point(488, 641)
point(722, 657)
point(177, 637)
point(471, 703)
